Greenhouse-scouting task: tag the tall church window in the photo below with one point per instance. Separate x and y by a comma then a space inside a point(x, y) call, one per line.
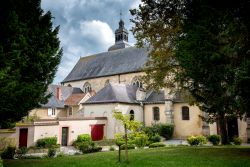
point(86, 87)
point(132, 115)
point(156, 113)
point(185, 113)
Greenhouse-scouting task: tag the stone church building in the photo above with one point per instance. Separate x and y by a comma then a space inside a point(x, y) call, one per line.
point(103, 82)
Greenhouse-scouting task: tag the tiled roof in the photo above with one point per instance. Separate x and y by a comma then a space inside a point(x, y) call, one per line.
point(119, 61)
point(53, 102)
point(74, 99)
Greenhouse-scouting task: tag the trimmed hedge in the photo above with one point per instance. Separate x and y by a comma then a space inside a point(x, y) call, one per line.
point(130, 146)
point(47, 142)
point(158, 144)
point(237, 141)
point(197, 140)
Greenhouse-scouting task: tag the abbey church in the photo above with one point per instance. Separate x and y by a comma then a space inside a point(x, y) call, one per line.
point(107, 81)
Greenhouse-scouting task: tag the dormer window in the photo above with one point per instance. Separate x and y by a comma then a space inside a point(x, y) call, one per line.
point(137, 83)
point(86, 87)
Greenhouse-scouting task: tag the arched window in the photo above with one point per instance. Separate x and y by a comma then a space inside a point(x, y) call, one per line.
point(86, 87)
point(137, 82)
point(156, 113)
point(185, 113)
point(132, 115)
point(69, 85)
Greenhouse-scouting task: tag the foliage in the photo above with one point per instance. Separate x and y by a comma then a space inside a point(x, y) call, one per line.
point(214, 139)
point(237, 140)
point(158, 144)
point(1, 162)
point(105, 142)
point(197, 140)
point(46, 142)
point(129, 146)
point(85, 144)
point(166, 131)
point(21, 152)
point(30, 53)
point(83, 138)
point(51, 152)
point(6, 141)
point(223, 156)
point(119, 139)
point(155, 138)
point(141, 139)
point(8, 153)
point(203, 48)
point(111, 148)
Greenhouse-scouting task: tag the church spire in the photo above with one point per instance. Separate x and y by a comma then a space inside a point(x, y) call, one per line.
point(121, 36)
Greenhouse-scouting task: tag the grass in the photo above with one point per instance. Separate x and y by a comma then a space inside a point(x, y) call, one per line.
point(157, 157)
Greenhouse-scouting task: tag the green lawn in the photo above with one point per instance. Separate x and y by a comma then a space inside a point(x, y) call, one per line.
point(158, 157)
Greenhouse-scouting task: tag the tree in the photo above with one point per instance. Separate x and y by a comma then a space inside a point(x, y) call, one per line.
point(30, 53)
point(128, 125)
point(210, 53)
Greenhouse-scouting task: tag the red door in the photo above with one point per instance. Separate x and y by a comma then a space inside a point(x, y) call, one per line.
point(97, 132)
point(23, 137)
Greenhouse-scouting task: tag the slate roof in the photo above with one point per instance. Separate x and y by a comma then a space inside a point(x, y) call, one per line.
point(119, 61)
point(153, 97)
point(53, 102)
point(113, 93)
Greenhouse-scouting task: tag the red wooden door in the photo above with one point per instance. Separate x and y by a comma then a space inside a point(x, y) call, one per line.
point(97, 132)
point(23, 137)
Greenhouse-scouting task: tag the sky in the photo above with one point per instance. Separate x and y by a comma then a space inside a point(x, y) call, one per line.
point(87, 27)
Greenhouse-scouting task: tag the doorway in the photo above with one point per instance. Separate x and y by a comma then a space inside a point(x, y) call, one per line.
point(232, 128)
point(65, 131)
point(97, 132)
point(23, 137)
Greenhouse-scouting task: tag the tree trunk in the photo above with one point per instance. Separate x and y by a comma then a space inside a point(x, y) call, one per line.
point(223, 129)
point(119, 153)
point(126, 143)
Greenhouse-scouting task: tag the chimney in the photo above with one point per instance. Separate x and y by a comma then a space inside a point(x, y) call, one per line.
point(58, 93)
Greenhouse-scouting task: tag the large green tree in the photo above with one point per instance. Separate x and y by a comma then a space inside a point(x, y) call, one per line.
point(209, 54)
point(30, 53)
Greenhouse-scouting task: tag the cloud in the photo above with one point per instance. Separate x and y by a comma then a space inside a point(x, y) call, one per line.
point(86, 27)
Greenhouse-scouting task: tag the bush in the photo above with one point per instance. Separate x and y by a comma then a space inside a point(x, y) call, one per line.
point(156, 138)
point(214, 139)
point(21, 152)
point(89, 147)
point(111, 148)
point(8, 153)
point(130, 146)
point(196, 140)
point(119, 140)
point(237, 141)
point(141, 140)
point(158, 144)
point(51, 152)
point(46, 142)
point(7, 141)
point(166, 131)
point(83, 138)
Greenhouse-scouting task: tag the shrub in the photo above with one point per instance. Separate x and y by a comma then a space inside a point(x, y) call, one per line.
point(51, 152)
point(7, 141)
point(158, 144)
point(21, 152)
point(89, 147)
point(237, 141)
point(214, 139)
point(166, 131)
point(111, 148)
point(83, 138)
point(119, 140)
point(8, 153)
point(130, 146)
point(155, 138)
point(141, 140)
point(46, 142)
point(196, 140)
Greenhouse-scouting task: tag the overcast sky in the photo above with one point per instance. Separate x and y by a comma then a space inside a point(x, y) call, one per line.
point(86, 27)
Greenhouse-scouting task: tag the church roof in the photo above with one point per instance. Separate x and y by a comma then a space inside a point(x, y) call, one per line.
point(154, 97)
point(114, 62)
point(114, 93)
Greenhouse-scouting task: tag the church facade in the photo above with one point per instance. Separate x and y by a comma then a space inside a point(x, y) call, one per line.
point(101, 83)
